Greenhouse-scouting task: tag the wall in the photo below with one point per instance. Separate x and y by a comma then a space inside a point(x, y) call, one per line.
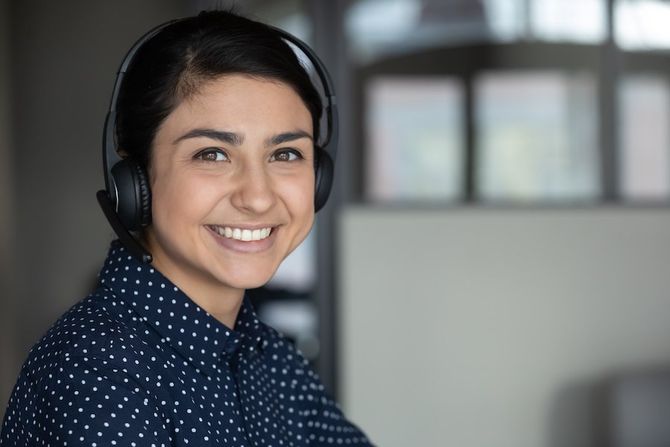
point(7, 333)
point(483, 327)
point(64, 56)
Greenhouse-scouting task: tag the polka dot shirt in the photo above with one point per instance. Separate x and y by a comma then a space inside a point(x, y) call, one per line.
point(137, 363)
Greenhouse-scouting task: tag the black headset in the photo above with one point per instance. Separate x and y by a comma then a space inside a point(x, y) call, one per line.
point(126, 201)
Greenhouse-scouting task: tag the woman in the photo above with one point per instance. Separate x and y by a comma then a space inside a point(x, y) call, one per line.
point(217, 123)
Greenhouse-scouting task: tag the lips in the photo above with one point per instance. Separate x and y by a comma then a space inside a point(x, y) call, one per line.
point(242, 234)
point(266, 236)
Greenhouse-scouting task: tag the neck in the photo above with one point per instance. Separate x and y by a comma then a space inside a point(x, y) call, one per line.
point(223, 303)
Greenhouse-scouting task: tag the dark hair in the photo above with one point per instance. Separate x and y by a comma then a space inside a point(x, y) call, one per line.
point(173, 65)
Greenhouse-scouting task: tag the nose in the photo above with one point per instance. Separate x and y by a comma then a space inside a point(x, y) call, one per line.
point(253, 191)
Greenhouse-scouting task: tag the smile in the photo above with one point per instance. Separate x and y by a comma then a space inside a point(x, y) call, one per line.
point(242, 234)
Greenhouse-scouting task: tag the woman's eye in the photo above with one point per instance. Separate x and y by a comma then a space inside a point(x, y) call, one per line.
point(287, 155)
point(212, 154)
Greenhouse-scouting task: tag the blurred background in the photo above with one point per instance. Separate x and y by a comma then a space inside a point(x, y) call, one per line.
point(493, 266)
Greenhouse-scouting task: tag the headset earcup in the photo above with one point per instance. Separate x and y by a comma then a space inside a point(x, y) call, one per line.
point(132, 195)
point(145, 195)
point(323, 177)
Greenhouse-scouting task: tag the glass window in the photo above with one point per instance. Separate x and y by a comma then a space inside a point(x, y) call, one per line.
point(414, 131)
point(507, 19)
point(568, 20)
point(644, 137)
point(642, 24)
point(553, 20)
point(381, 27)
point(536, 136)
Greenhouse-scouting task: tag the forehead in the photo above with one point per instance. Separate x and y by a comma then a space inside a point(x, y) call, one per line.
point(240, 102)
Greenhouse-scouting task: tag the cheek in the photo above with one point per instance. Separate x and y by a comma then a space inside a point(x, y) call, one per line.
point(298, 196)
point(299, 199)
point(182, 198)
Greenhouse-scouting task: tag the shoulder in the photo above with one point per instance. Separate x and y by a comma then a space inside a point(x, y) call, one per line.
point(276, 343)
point(282, 353)
point(97, 327)
point(77, 386)
point(295, 379)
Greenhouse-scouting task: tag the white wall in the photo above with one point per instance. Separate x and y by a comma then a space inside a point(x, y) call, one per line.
point(492, 327)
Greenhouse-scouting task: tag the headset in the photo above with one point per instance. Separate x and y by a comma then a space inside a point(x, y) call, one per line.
point(126, 201)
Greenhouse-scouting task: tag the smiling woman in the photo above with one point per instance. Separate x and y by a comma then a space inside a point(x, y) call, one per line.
point(218, 126)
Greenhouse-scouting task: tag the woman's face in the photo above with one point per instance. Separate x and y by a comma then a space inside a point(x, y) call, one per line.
point(232, 183)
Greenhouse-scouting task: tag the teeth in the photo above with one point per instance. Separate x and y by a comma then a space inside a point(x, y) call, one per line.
point(241, 234)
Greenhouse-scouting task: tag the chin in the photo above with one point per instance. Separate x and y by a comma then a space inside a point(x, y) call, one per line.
point(243, 280)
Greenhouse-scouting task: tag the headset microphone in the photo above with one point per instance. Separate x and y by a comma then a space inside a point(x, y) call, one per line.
point(134, 247)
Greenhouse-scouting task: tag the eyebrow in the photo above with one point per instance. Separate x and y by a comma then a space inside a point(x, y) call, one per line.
point(236, 139)
point(220, 135)
point(286, 137)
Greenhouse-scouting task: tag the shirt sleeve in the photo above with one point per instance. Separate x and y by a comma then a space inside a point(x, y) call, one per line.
point(84, 402)
point(328, 424)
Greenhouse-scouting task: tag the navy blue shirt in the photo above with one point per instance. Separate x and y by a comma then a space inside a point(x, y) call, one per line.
point(138, 363)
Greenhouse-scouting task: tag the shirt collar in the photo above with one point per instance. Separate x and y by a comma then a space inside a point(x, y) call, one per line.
point(192, 331)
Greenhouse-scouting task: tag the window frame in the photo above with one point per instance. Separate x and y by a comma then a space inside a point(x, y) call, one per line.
point(605, 61)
